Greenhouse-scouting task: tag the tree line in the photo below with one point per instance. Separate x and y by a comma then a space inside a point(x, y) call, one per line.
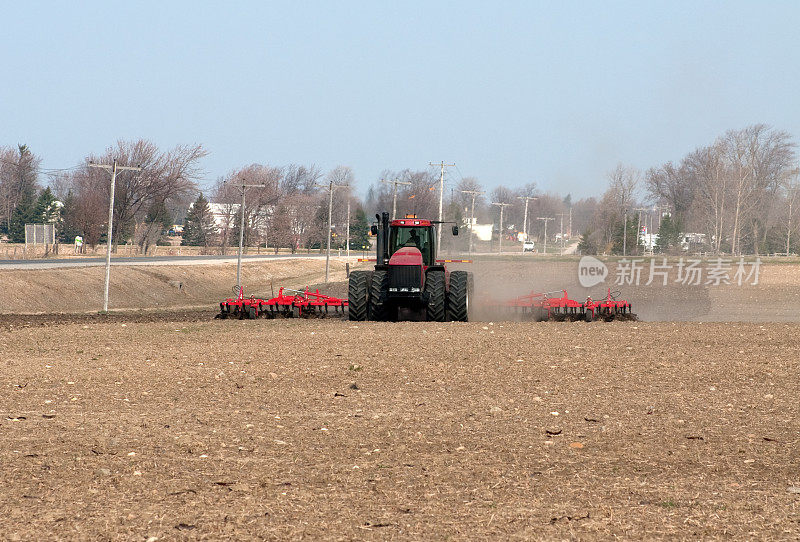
point(735, 195)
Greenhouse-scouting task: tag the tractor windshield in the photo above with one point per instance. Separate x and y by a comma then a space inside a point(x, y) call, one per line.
point(420, 237)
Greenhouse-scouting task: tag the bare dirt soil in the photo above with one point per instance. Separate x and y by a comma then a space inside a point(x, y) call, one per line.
point(322, 429)
point(76, 290)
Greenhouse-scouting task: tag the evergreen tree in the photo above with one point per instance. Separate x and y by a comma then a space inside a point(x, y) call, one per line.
point(359, 230)
point(47, 209)
point(199, 225)
point(588, 243)
point(69, 227)
point(625, 242)
point(24, 213)
point(669, 234)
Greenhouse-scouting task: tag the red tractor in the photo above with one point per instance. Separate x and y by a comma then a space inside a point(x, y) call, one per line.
point(407, 277)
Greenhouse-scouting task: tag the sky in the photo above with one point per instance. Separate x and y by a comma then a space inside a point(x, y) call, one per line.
point(553, 93)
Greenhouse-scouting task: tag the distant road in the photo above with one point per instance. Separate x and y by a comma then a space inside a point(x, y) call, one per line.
point(150, 260)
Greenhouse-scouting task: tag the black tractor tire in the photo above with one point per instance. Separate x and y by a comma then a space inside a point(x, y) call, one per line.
point(252, 312)
point(437, 294)
point(358, 295)
point(378, 295)
point(458, 297)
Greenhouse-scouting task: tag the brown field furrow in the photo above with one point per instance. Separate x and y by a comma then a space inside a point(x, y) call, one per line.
point(325, 429)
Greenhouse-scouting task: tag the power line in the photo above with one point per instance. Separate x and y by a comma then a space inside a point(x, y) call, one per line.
point(44, 171)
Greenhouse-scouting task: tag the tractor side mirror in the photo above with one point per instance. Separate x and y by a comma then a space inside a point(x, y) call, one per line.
point(374, 229)
point(455, 230)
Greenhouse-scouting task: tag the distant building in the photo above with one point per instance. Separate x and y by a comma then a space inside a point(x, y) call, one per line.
point(692, 240)
point(223, 214)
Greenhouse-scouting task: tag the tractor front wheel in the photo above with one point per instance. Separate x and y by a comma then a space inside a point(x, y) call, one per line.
point(358, 295)
point(458, 297)
point(435, 288)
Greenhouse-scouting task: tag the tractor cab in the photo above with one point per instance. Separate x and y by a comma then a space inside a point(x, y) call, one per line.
point(411, 232)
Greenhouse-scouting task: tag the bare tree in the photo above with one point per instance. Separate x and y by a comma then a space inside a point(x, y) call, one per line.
point(299, 179)
point(707, 170)
point(88, 197)
point(672, 186)
point(623, 184)
point(165, 177)
point(759, 160)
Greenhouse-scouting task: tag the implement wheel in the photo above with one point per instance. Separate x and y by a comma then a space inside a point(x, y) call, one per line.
point(358, 295)
point(378, 294)
point(435, 288)
point(458, 297)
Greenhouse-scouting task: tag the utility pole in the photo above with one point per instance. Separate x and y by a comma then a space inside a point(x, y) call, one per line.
point(570, 222)
point(625, 235)
point(561, 251)
point(525, 220)
point(242, 188)
point(474, 194)
point(502, 207)
point(639, 226)
point(441, 198)
point(347, 235)
point(545, 218)
point(331, 187)
point(394, 184)
point(113, 170)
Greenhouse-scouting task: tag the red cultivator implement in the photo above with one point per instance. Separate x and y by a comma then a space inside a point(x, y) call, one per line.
point(295, 304)
point(544, 306)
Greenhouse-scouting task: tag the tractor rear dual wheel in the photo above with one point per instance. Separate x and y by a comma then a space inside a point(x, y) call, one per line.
point(358, 295)
point(378, 296)
point(459, 296)
point(437, 293)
